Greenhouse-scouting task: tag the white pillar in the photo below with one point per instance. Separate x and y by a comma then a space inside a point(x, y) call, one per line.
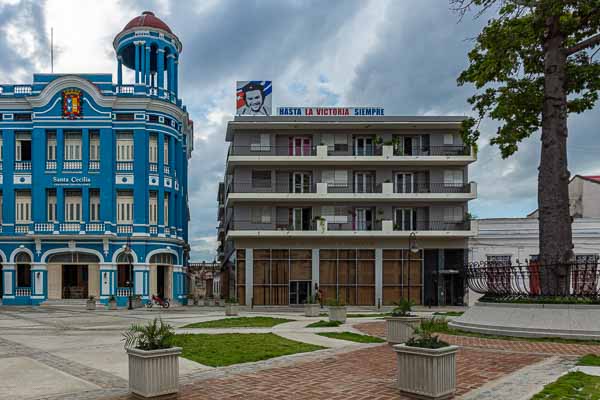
point(9, 272)
point(108, 280)
point(249, 273)
point(141, 279)
point(378, 276)
point(39, 272)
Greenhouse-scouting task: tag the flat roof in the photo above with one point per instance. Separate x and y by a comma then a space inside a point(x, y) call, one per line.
point(336, 122)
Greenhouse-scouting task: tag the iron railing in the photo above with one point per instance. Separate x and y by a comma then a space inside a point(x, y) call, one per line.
point(284, 186)
point(497, 279)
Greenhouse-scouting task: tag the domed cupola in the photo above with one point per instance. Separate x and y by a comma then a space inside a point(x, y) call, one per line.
point(150, 48)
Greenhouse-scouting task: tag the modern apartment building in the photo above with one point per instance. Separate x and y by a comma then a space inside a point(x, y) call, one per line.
point(93, 178)
point(365, 209)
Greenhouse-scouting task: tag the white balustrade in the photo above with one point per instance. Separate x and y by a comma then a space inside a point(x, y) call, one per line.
point(167, 231)
point(153, 230)
point(123, 292)
point(72, 227)
point(167, 170)
point(22, 165)
point(126, 89)
point(44, 227)
point(124, 229)
point(51, 164)
point(94, 165)
point(153, 167)
point(21, 228)
point(72, 165)
point(22, 89)
point(23, 292)
point(124, 165)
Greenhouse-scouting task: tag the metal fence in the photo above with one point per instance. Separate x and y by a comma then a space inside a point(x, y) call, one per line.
point(496, 279)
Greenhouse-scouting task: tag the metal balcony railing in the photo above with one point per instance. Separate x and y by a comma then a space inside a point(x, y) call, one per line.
point(270, 187)
point(284, 186)
point(267, 150)
point(367, 225)
point(432, 225)
point(445, 150)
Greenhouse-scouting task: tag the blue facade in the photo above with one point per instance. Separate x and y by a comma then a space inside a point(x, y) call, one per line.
point(94, 179)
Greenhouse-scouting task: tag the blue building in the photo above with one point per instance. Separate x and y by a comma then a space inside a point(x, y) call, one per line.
point(93, 178)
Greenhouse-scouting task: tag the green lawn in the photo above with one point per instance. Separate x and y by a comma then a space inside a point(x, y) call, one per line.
point(324, 324)
point(240, 322)
point(572, 386)
point(449, 313)
point(589, 360)
point(231, 348)
point(353, 337)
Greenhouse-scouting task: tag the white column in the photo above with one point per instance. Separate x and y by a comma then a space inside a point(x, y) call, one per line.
point(315, 270)
point(9, 272)
point(108, 280)
point(249, 273)
point(378, 276)
point(39, 273)
point(141, 281)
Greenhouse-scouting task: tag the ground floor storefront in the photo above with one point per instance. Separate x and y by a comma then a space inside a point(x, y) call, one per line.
point(353, 274)
point(32, 273)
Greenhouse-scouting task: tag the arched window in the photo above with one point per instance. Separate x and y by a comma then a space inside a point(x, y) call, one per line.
point(163, 259)
point(124, 269)
point(23, 263)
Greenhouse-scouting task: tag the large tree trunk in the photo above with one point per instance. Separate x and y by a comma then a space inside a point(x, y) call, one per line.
point(556, 246)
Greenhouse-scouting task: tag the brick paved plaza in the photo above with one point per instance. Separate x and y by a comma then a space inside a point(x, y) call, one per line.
point(78, 355)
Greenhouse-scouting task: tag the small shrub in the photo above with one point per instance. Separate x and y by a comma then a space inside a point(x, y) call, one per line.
point(403, 308)
point(152, 336)
point(231, 300)
point(324, 324)
point(426, 340)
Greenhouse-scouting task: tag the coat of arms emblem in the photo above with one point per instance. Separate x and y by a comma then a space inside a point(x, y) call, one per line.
point(71, 104)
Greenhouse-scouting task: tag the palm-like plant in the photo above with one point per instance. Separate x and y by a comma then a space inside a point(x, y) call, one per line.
point(403, 308)
point(153, 336)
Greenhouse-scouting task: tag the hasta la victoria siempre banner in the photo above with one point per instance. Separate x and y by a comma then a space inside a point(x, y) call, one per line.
point(253, 98)
point(332, 111)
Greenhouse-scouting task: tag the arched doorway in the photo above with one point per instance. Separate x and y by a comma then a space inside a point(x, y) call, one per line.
point(73, 275)
point(124, 273)
point(23, 270)
point(162, 284)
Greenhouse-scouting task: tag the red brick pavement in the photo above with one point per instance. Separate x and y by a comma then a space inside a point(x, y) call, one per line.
point(370, 373)
point(567, 349)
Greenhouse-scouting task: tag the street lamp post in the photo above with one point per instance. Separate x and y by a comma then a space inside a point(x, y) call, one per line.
point(127, 251)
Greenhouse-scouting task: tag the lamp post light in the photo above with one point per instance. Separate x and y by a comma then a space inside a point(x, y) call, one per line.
point(412, 243)
point(127, 251)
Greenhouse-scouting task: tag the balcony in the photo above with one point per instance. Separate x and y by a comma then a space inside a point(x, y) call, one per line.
point(326, 155)
point(51, 165)
point(72, 165)
point(22, 165)
point(94, 165)
point(153, 167)
point(167, 170)
point(367, 229)
point(323, 192)
point(124, 166)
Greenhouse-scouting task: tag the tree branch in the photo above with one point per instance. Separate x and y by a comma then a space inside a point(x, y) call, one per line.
point(584, 44)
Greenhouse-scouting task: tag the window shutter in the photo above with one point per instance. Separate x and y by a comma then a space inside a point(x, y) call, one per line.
point(341, 177)
point(328, 176)
point(448, 138)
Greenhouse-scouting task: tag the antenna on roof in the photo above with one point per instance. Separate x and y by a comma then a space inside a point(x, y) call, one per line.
point(52, 50)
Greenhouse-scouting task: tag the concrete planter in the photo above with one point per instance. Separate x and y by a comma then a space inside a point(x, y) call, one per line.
point(337, 313)
point(426, 373)
point(112, 304)
point(232, 309)
point(155, 372)
point(312, 310)
point(90, 305)
point(209, 302)
point(137, 302)
point(400, 329)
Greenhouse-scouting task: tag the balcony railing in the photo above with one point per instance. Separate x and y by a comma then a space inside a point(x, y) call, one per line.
point(44, 227)
point(95, 227)
point(51, 165)
point(0, 165)
point(167, 170)
point(124, 229)
point(124, 165)
point(70, 227)
point(261, 150)
point(123, 292)
point(22, 228)
point(372, 225)
point(23, 291)
point(72, 165)
point(284, 186)
point(445, 150)
point(94, 165)
point(153, 167)
point(153, 230)
point(22, 165)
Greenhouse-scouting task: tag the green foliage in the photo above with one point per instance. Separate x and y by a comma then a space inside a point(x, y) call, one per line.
point(335, 302)
point(403, 308)
point(240, 322)
point(449, 313)
point(324, 324)
point(152, 336)
point(590, 360)
point(112, 298)
point(506, 65)
point(231, 300)
point(228, 349)
point(424, 338)
point(572, 386)
point(352, 337)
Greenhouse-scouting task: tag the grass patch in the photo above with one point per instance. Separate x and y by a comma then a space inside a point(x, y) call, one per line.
point(324, 324)
point(240, 322)
point(353, 337)
point(590, 360)
point(440, 325)
point(572, 386)
point(231, 348)
point(449, 313)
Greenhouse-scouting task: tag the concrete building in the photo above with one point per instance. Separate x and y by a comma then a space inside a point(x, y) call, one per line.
point(94, 177)
point(584, 197)
point(336, 203)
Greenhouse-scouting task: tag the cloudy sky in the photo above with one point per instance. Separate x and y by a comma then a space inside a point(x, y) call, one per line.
point(403, 55)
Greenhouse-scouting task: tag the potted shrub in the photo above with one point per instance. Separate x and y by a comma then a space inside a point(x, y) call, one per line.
point(153, 361)
point(432, 363)
point(90, 304)
point(112, 303)
point(209, 301)
point(312, 308)
point(232, 307)
point(337, 310)
point(401, 325)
